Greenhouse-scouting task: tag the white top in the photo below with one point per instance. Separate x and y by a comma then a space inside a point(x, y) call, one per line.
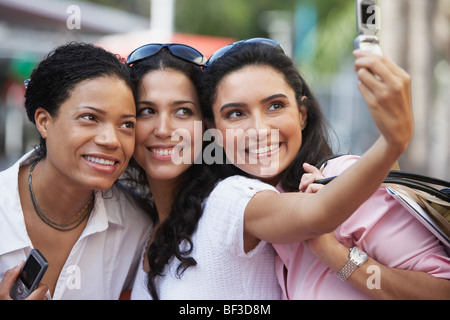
point(103, 261)
point(223, 270)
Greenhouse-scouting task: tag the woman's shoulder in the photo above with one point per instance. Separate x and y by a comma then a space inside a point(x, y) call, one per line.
point(241, 185)
point(339, 164)
point(233, 193)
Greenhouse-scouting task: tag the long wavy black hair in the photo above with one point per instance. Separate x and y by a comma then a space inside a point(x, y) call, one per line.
point(315, 146)
point(198, 181)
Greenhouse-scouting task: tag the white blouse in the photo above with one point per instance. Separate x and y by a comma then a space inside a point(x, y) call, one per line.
point(223, 270)
point(103, 261)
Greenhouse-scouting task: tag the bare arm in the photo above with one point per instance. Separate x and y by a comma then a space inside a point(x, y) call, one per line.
point(293, 217)
point(373, 278)
point(386, 282)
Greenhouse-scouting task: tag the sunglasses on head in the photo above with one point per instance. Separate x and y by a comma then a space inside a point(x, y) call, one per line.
point(181, 51)
point(224, 50)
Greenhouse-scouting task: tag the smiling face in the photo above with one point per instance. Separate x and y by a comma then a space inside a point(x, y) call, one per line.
point(257, 114)
point(168, 124)
point(91, 139)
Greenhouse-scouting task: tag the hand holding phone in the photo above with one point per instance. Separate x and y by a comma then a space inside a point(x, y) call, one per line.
point(30, 276)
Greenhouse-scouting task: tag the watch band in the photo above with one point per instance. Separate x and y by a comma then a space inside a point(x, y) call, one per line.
point(357, 257)
point(347, 270)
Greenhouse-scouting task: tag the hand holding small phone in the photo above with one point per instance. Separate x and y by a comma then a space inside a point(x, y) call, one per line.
point(27, 279)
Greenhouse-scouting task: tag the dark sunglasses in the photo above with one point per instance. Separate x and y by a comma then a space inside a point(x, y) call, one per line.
point(222, 51)
point(181, 51)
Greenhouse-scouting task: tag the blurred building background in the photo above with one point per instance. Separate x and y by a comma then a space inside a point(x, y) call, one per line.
point(318, 34)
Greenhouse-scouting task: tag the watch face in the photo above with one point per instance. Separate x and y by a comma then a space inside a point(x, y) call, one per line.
point(358, 256)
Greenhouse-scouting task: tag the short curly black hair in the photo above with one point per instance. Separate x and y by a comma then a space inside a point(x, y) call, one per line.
point(52, 81)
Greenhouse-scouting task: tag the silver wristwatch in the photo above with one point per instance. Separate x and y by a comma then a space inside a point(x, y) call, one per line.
point(356, 258)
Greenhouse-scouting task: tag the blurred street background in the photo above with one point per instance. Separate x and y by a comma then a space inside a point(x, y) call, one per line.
point(318, 34)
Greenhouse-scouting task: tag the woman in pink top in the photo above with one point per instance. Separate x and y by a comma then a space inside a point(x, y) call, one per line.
point(383, 229)
point(252, 86)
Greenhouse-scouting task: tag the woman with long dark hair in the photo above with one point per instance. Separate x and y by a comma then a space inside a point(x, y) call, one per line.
point(192, 253)
point(252, 86)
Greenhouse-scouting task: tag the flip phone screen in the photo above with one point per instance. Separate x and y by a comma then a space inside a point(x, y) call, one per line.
point(367, 24)
point(367, 17)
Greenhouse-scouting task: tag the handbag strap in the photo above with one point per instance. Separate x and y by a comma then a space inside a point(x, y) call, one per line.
point(417, 184)
point(417, 177)
point(412, 180)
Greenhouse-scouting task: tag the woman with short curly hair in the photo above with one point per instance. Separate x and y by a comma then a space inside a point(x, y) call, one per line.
point(61, 198)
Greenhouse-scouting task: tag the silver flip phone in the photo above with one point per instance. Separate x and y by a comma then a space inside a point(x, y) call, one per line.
point(367, 24)
point(30, 276)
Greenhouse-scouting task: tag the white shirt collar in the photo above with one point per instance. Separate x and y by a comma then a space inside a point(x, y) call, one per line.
point(11, 214)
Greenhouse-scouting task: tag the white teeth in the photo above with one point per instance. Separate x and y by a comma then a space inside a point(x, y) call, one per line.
point(100, 161)
point(162, 152)
point(264, 149)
